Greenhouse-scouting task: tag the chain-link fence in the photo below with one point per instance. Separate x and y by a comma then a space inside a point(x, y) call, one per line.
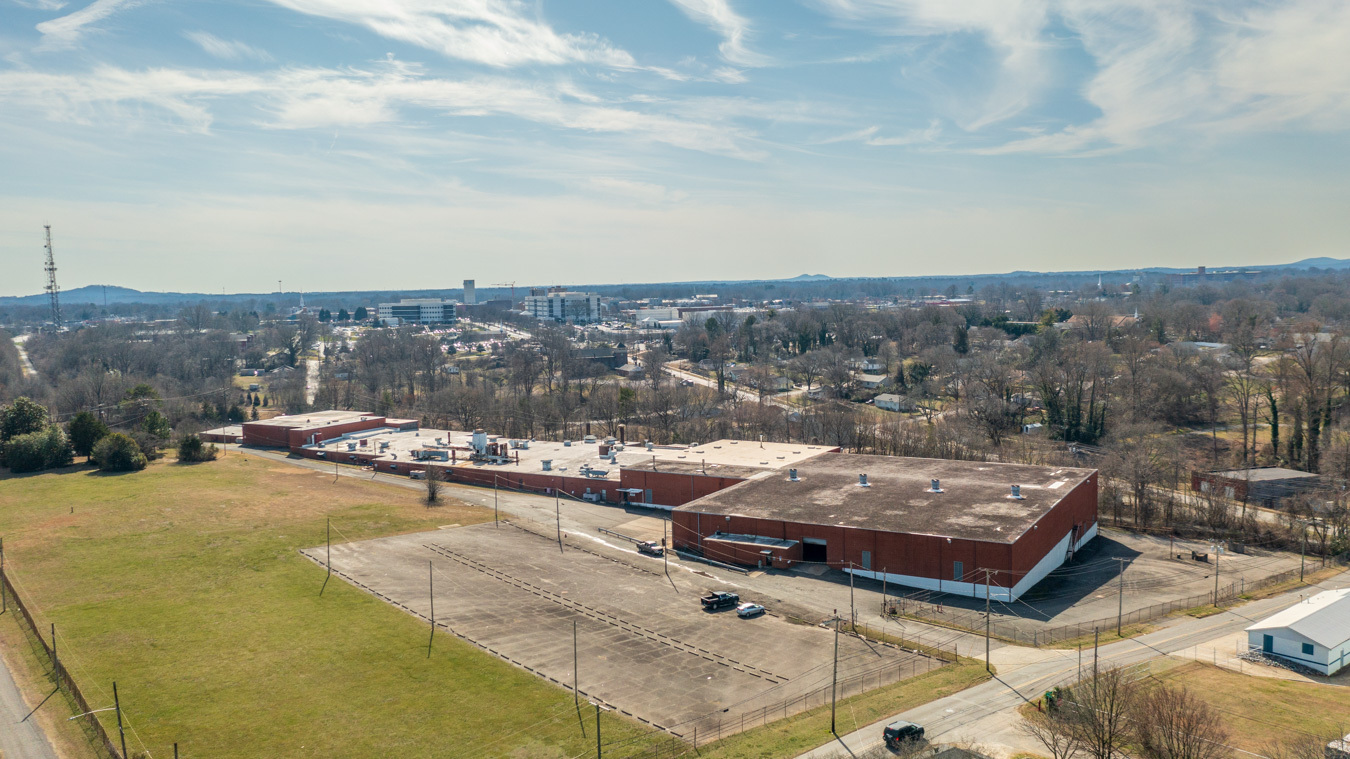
point(62, 675)
point(1019, 631)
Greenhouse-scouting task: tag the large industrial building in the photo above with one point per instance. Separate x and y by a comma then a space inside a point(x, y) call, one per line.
point(603, 469)
point(559, 305)
point(958, 527)
point(961, 527)
point(419, 311)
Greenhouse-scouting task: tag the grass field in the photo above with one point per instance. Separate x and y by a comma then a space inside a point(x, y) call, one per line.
point(184, 585)
point(1260, 711)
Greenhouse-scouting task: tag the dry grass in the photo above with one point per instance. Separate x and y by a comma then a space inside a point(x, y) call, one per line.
point(184, 584)
point(1260, 711)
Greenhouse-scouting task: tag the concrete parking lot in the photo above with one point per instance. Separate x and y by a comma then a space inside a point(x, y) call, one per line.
point(643, 643)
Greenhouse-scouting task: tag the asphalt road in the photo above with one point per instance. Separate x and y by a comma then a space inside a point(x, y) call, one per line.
point(987, 712)
point(19, 739)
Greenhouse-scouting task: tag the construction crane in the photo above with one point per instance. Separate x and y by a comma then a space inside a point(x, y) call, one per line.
point(511, 285)
point(53, 291)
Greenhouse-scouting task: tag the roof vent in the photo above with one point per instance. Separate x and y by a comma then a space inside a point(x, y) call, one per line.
point(792, 476)
point(862, 481)
point(935, 487)
point(1016, 493)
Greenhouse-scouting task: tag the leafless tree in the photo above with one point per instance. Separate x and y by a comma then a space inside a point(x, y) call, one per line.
point(1099, 710)
point(1171, 723)
point(1055, 732)
point(433, 479)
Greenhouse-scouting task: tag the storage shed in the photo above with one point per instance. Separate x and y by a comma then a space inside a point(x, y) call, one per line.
point(1315, 632)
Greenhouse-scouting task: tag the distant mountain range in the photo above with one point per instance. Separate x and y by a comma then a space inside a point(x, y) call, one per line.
point(113, 294)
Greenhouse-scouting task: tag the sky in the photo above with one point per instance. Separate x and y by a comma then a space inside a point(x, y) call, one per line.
point(205, 146)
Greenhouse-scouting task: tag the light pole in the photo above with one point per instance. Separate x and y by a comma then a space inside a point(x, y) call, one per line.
point(834, 679)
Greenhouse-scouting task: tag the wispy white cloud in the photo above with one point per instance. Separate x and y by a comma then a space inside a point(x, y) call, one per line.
point(871, 136)
point(719, 16)
point(306, 98)
point(41, 5)
point(230, 50)
point(646, 192)
point(499, 33)
point(1013, 29)
point(1203, 70)
point(67, 30)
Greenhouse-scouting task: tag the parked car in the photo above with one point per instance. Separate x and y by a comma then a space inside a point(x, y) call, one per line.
point(745, 611)
point(651, 548)
point(719, 600)
point(899, 733)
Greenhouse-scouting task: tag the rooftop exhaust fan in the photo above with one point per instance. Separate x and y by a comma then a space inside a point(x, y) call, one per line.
point(1016, 493)
point(862, 481)
point(935, 487)
point(792, 476)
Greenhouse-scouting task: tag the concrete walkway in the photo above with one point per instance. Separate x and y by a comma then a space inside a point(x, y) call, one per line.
point(19, 740)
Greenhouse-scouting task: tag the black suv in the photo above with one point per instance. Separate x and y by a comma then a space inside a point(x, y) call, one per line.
point(900, 733)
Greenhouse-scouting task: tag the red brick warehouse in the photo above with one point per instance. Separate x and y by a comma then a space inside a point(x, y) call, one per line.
point(1000, 527)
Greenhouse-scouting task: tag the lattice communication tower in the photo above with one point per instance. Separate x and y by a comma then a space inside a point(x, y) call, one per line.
point(53, 290)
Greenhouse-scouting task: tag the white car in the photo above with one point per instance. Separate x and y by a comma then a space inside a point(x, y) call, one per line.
point(746, 611)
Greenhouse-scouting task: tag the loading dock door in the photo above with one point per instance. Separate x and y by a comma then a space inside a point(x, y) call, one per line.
point(814, 549)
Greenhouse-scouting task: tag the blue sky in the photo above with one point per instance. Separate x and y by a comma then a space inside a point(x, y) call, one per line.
point(351, 144)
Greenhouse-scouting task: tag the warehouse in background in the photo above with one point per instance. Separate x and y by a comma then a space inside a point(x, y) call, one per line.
point(961, 527)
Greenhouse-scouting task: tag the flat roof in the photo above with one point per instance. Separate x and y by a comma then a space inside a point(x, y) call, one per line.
point(974, 504)
point(315, 419)
point(1263, 474)
point(726, 458)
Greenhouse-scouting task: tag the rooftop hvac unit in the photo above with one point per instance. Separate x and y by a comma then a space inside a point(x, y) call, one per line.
point(650, 445)
point(548, 465)
point(567, 443)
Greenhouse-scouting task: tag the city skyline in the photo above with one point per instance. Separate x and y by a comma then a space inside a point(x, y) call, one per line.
point(349, 146)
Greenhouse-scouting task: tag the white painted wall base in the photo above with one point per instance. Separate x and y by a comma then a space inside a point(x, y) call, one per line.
point(1048, 563)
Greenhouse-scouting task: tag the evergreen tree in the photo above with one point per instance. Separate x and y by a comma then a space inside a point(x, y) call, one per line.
point(85, 430)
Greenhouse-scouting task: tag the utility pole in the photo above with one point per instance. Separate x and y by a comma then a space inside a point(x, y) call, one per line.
point(56, 660)
point(987, 615)
point(852, 610)
point(834, 680)
point(597, 730)
point(665, 551)
point(1094, 654)
point(1302, 549)
point(117, 704)
point(494, 502)
point(1216, 576)
point(576, 669)
point(328, 545)
point(431, 595)
point(557, 508)
point(1120, 598)
point(4, 594)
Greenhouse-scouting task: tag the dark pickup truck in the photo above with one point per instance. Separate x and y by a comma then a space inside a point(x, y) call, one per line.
point(715, 601)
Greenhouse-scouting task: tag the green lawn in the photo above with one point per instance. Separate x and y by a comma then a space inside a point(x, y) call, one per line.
point(184, 585)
